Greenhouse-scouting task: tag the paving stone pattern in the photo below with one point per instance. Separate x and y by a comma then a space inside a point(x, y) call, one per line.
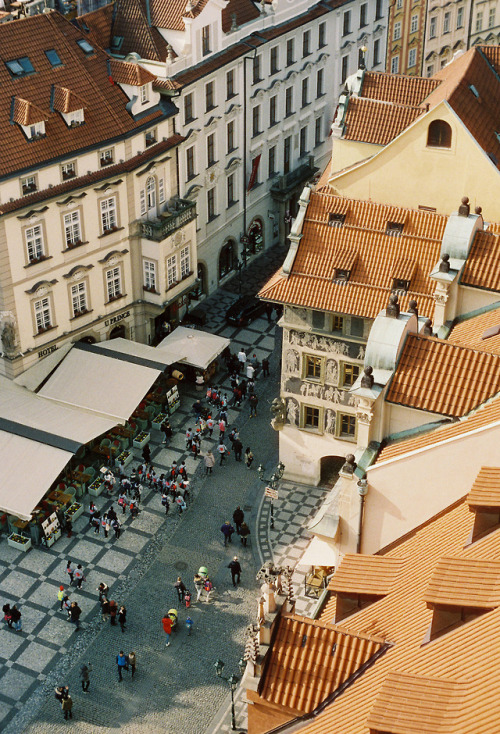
point(175, 689)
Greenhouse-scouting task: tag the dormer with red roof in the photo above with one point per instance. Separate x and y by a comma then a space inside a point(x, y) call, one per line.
point(30, 118)
point(69, 105)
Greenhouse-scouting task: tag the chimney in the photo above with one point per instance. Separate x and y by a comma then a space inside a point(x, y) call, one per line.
point(464, 208)
point(427, 328)
point(367, 379)
point(413, 308)
point(444, 265)
point(392, 310)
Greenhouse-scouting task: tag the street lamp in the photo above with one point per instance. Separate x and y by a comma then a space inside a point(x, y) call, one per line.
point(271, 490)
point(239, 267)
point(233, 681)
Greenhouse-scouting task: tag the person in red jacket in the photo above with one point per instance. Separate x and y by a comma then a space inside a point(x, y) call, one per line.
point(167, 627)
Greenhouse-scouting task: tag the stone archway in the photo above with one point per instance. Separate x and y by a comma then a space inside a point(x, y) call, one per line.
point(330, 467)
point(117, 332)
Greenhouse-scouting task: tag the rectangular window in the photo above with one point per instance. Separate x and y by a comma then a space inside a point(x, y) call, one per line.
point(113, 283)
point(106, 157)
point(305, 91)
point(322, 35)
point(273, 102)
point(42, 314)
point(190, 163)
point(287, 150)
point(72, 229)
point(211, 149)
point(256, 120)
point(320, 83)
point(446, 22)
point(68, 170)
point(289, 101)
point(310, 417)
point(28, 185)
point(211, 204)
point(430, 70)
point(318, 320)
point(357, 326)
point(185, 262)
point(350, 373)
point(290, 52)
point(460, 17)
point(345, 68)
point(347, 426)
point(108, 214)
point(151, 137)
point(433, 27)
point(491, 18)
point(414, 24)
point(303, 140)
point(317, 131)
point(399, 4)
point(149, 267)
point(479, 22)
point(79, 298)
point(144, 93)
point(230, 84)
point(412, 57)
point(209, 96)
point(256, 69)
point(397, 31)
point(376, 52)
point(255, 167)
point(171, 270)
point(230, 190)
point(346, 24)
point(205, 40)
point(338, 324)
point(188, 108)
point(395, 65)
point(274, 60)
point(378, 10)
point(230, 136)
point(272, 161)
point(363, 15)
point(34, 242)
point(75, 118)
point(306, 43)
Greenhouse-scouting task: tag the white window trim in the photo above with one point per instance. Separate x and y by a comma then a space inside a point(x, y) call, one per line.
point(34, 242)
point(72, 227)
point(114, 283)
point(43, 314)
point(185, 262)
point(109, 214)
point(79, 302)
point(150, 274)
point(171, 269)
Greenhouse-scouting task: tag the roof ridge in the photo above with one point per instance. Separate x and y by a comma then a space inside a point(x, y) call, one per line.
point(446, 342)
point(387, 102)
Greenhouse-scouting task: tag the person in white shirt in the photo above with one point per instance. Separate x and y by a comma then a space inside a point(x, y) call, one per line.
point(242, 358)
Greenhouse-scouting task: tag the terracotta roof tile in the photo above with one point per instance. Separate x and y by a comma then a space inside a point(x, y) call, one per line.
point(85, 74)
point(131, 23)
point(97, 25)
point(124, 72)
point(485, 491)
point(364, 232)
point(482, 267)
point(365, 574)
point(371, 121)
point(26, 113)
point(470, 331)
point(439, 377)
point(67, 101)
point(480, 419)
point(397, 88)
point(245, 11)
point(169, 14)
point(492, 53)
point(310, 660)
point(464, 582)
point(168, 84)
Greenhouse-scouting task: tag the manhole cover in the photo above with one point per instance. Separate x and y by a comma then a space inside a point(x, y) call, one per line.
point(181, 565)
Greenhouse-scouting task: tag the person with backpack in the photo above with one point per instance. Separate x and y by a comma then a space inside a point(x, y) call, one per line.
point(71, 572)
point(117, 528)
point(237, 448)
point(208, 587)
point(165, 502)
point(199, 583)
point(79, 576)
point(238, 517)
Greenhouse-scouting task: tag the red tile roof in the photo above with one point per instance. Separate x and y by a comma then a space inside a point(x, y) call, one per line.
point(310, 283)
point(485, 491)
point(131, 23)
point(464, 582)
point(439, 377)
point(97, 25)
point(482, 267)
point(26, 113)
point(366, 121)
point(469, 332)
point(366, 574)
point(86, 75)
point(245, 11)
point(126, 73)
point(66, 101)
point(396, 88)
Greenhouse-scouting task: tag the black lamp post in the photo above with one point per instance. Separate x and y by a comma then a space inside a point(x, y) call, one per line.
point(272, 483)
point(233, 681)
point(239, 267)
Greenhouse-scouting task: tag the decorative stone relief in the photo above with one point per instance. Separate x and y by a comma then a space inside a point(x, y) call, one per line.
point(364, 416)
point(329, 394)
point(292, 411)
point(212, 175)
point(78, 275)
point(331, 372)
point(318, 343)
point(292, 362)
point(330, 421)
point(42, 291)
point(112, 260)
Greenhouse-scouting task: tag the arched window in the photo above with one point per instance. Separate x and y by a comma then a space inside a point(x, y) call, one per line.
point(439, 134)
point(226, 259)
point(151, 192)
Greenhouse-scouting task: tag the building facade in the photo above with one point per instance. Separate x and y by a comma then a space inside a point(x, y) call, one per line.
point(95, 241)
point(405, 37)
point(485, 23)
point(447, 33)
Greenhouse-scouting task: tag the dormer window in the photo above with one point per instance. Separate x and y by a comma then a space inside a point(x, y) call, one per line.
point(336, 220)
point(394, 229)
point(150, 137)
point(144, 93)
point(341, 274)
point(106, 157)
point(20, 67)
point(400, 285)
point(484, 501)
point(85, 46)
point(205, 40)
point(75, 118)
point(28, 185)
point(35, 131)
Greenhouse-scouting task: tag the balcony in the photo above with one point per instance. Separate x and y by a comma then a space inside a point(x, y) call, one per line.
point(285, 185)
point(179, 213)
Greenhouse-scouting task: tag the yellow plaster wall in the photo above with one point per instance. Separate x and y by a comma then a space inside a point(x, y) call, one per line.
point(348, 152)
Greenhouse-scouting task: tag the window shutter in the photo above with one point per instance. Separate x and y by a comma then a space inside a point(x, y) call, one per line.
point(161, 190)
point(143, 202)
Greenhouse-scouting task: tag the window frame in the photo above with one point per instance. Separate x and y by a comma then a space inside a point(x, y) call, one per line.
point(346, 23)
point(306, 43)
point(106, 157)
point(271, 161)
point(304, 91)
point(290, 52)
point(349, 373)
point(412, 58)
point(396, 33)
point(273, 107)
point(230, 93)
point(320, 83)
point(144, 93)
point(211, 154)
point(188, 108)
point(185, 262)
point(274, 56)
point(313, 368)
point(289, 102)
point(303, 135)
point(395, 65)
point(230, 190)
point(114, 285)
point(72, 227)
point(314, 409)
point(211, 205)
point(322, 35)
point(317, 131)
point(79, 298)
point(346, 436)
point(434, 139)
point(205, 40)
point(108, 209)
point(256, 120)
point(171, 274)
point(42, 307)
point(190, 163)
point(35, 242)
point(256, 69)
point(363, 15)
point(230, 136)
point(28, 184)
point(414, 23)
point(210, 96)
point(150, 275)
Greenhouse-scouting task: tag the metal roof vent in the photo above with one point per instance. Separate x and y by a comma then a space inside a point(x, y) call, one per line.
point(444, 265)
point(413, 308)
point(492, 331)
point(464, 208)
point(392, 310)
point(367, 379)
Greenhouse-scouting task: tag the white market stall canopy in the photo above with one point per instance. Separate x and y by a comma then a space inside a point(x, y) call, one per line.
point(192, 346)
point(145, 354)
point(319, 553)
point(106, 381)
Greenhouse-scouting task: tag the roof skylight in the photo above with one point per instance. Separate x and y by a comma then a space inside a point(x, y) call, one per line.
point(85, 46)
point(19, 67)
point(53, 57)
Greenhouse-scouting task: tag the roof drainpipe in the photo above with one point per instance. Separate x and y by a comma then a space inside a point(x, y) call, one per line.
point(362, 491)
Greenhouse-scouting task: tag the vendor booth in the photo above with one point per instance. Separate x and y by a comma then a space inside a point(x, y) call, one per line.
point(193, 351)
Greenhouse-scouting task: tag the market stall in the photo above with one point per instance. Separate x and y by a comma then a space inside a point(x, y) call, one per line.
point(193, 352)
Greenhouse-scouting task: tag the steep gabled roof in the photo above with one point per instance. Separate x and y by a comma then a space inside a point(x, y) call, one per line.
point(26, 113)
point(67, 101)
point(482, 268)
point(485, 491)
point(97, 25)
point(478, 331)
point(124, 72)
point(365, 122)
point(397, 88)
point(139, 36)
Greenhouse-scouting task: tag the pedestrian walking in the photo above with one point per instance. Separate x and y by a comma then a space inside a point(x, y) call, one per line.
point(92, 511)
point(250, 371)
point(244, 533)
point(15, 614)
point(104, 609)
point(242, 358)
point(102, 590)
point(117, 528)
point(74, 615)
point(235, 569)
point(187, 598)
point(167, 627)
point(198, 582)
point(71, 572)
point(227, 531)
point(79, 576)
point(105, 524)
point(69, 528)
point(253, 405)
point(96, 522)
point(180, 588)
point(121, 662)
point(146, 454)
point(210, 426)
point(237, 448)
point(189, 625)
point(208, 587)
point(209, 461)
point(269, 312)
point(113, 611)
point(60, 596)
point(85, 671)
point(61, 692)
point(248, 457)
point(265, 367)
point(167, 430)
point(122, 617)
point(222, 452)
point(165, 502)
point(67, 707)
point(238, 517)
point(132, 661)
point(7, 614)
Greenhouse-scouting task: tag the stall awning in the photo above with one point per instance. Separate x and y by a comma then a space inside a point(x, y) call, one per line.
point(193, 347)
point(319, 553)
point(135, 352)
point(28, 470)
point(105, 384)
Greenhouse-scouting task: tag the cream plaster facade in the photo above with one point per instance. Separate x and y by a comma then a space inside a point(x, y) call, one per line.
point(447, 33)
point(485, 23)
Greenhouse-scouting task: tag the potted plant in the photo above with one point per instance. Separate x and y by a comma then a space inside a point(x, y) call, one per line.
point(21, 542)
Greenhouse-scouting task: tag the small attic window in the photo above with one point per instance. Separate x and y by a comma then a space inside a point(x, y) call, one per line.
point(400, 285)
point(35, 131)
point(75, 118)
point(474, 90)
point(20, 67)
point(341, 274)
point(85, 46)
point(116, 43)
point(439, 134)
point(394, 228)
point(336, 220)
point(53, 57)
